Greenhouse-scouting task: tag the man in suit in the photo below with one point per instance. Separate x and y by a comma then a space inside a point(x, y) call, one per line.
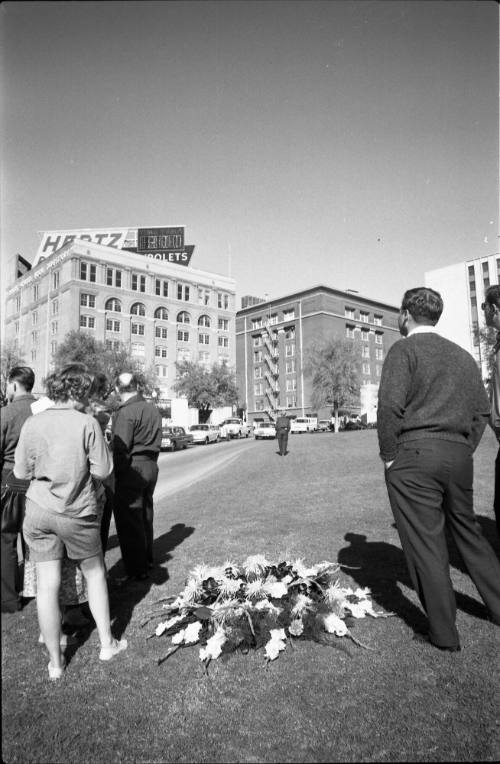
point(432, 411)
point(136, 439)
point(491, 307)
point(282, 430)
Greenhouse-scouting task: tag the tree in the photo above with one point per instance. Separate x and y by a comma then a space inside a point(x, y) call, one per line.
point(9, 358)
point(487, 340)
point(335, 367)
point(80, 347)
point(206, 389)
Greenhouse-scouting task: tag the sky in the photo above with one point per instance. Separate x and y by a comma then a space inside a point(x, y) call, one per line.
point(351, 144)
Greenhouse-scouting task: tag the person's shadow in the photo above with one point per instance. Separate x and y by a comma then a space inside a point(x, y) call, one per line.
point(124, 598)
point(381, 566)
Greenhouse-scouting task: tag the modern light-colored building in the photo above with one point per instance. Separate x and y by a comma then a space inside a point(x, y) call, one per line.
point(462, 287)
point(273, 337)
point(132, 286)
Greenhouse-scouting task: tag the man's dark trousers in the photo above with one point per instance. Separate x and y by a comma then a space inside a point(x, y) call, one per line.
point(282, 441)
point(12, 582)
point(430, 485)
point(133, 510)
point(496, 501)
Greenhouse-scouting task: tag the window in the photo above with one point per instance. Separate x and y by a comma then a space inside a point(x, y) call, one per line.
point(182, 336)
point(291, 384)
point(364, 317)
point(366, 368)
point(33, 355)
point(53, 347)
point(161, 371)
point(349, 331)
point(160, 351)
point(291, 401)
point(290, 333)
point(184, 355)
point(365, 335)
point(366, 352)
point(203, 339)
point(113, 277)
point(87, 322)
point(161, 332)
point(273, 319)
point(18, 302)
point(288, 315)
point(204, 357)
point(349, 312)
point(114, 305)
point(204, 321)
point(378, 338)
point(259, 405)
point(161, 314)
point(257, 372)
point(257, 341)
point(289, 350)
point(138, 283)
point(183, 292)
point(112, 325)
point(257, 356)
point(258, 389)
point(223, 324)
point(138, 309)
point(55, 279)
point(203, 296)
point(137, 348)
point(54, 327)
point(88, 272)
point(161, 287)
point(183, 317)
point(377, 320)
point(113, 344)
point(223, 342)
point(36, 291)
point(378, 370)
point(223, 300)
point(486, 274)
point(16, 327)
point(137, 329)
point(86, 300)
point(256, 323)
point(290, 366)
point(379, 354)
point(34, 318)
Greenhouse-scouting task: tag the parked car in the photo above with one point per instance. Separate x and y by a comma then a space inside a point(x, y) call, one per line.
point(303, 424)
point(353, 424)
point(264, 430)
point(174, 438)
point(204, 433)
point(324, 425)
point(233, 428)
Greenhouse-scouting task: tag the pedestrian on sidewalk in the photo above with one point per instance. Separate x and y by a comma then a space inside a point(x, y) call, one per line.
point(282, 430)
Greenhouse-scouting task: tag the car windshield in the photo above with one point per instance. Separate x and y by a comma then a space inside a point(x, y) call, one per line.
point(266, 424)
point(232, 421)
point(198, 427)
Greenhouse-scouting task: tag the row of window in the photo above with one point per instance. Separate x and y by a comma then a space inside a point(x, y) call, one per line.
point(114, 278)
point(288, 315)
point(364, 316)
point(365, 334)
point(290, 403)
point(138, 330)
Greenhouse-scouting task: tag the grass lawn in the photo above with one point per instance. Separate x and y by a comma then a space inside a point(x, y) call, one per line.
point(400, 701)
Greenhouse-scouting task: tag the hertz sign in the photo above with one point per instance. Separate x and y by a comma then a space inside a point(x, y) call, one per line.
point(166, 244)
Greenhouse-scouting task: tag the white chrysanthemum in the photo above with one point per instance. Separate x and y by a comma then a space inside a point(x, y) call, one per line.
point(334, 625)
point(167, 624)
point(301, 605)
point(287, 579)
point(335, 595)
point(255, 564)
point(213, 648)
point(226, 609)
point(192, 633)
point(229, 586)
point(268, 606)
point(360, 609)
point(296, 627)
point(191, 591)
point(276, 644)
point(230, 565)
point(199, 572)
point(276, 589)
point(302, 571)
point(255, 588)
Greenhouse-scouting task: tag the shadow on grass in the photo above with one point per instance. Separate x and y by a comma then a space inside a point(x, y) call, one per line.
point(381, 567)
point(123, 599)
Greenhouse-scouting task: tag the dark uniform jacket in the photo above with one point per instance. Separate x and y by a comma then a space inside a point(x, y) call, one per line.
point(136, 432)
point(13, 417)
point(282, 424)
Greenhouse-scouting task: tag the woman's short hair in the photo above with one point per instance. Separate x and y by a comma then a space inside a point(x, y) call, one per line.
point(71, 381)
point(423, 304)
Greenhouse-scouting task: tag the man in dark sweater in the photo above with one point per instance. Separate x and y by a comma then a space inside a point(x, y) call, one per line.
point(136, 441)
point(491, 307)
point(19, 386)
point(432, 411)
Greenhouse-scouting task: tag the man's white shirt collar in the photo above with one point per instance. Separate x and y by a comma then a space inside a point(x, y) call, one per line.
point(423, 328)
